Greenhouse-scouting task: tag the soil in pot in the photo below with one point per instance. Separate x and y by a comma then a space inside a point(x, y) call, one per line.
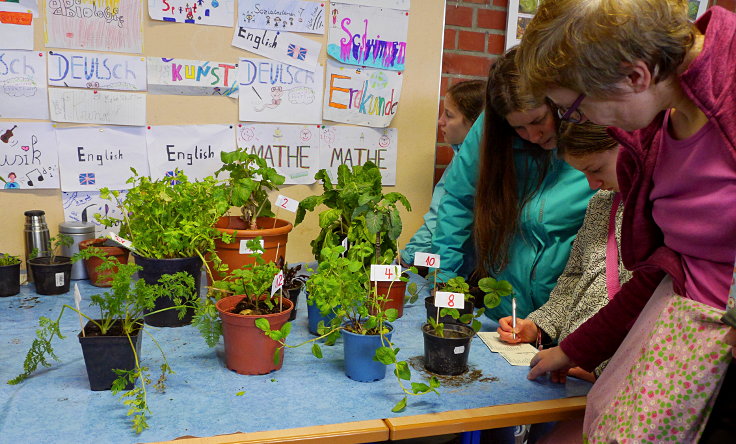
point(447, 319)
point(395, 291)
point(51, 278)
point(9, 280)
point(447, 355)
point(102, 354)
point(358, 353)
point(152, 271)
point(104, 278)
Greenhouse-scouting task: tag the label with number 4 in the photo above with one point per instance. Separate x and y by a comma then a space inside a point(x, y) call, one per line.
point(385, 272)
point(278, 282)
point(449, 300)
point(287, 203)
point(427, 260)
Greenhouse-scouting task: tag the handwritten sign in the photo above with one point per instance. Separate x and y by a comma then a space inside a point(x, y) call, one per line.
point(276, 92)
point(285, 47)
point(395, 4)
point(106, 107)
point(193, 149)
point(104, 26)
point(282, 15)
point(29, 156)
point(16, 29)
point(368, 36)
point(355, 146)
point(278, 282)
point(449, 300)
point(244, 246)
point(198, 12)
point(293, 150)
point(384, 273)
point(96, 70)
point(94, 157)
point(287, 203)
point(363, 96)
point(23, 85)
point(81, 206)
point(121, 241)
point(20, 6)
point(427, 260)
point(192, 77)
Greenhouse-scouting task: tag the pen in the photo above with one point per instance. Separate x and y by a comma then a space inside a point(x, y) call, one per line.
point(513, 317)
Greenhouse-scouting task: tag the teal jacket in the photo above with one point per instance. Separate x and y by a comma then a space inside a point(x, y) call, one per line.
point(550, 221)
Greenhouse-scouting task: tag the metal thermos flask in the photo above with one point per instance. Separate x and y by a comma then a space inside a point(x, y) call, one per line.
point(36, 234)
point(78, 231)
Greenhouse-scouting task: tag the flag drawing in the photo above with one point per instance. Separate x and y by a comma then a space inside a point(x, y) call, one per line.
point(87, 179)
point(296, 52)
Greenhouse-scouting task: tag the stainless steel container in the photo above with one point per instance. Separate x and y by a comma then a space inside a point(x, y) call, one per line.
point(78, 231)
point(36, 234)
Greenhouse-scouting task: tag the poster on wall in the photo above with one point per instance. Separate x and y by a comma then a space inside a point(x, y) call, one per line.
point(284, 47)
point(96, 70)
point(113, 25)
point(16, 28)
point(23, 85)
point(275, 92)
point(395, 4)
point(361, 96)
point(197, 12)
point(192, 77)
point(283, 15)
point(193, 149)
point(367, 36)
point(102, 107)
point(81, 206)
point(20, 6)
point(351, 146)
point(91, 158)
point(293, 150)
point(29, 159)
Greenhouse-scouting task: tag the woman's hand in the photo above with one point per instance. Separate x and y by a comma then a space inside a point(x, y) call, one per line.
point(552, 360)
point(526, 331)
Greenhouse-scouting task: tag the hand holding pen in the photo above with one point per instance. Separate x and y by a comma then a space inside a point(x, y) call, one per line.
point(526, 331)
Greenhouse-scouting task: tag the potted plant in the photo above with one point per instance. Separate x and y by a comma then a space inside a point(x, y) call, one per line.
point(9, 275)
point(103, 247)
point(447, 345)
point(170, 222)
point(294, 280)
point(111, 340)
point(52, 274)
point(246, 185)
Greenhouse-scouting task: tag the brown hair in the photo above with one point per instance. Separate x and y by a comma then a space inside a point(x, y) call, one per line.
point(580, 139)
point(588, 46)
point(469, 97)
point(498, 199)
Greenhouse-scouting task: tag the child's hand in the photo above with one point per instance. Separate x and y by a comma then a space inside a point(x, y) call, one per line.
point(731, 340)
point(526, 331)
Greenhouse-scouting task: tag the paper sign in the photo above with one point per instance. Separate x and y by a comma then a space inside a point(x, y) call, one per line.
point(120, 240)
point(97, 70)
point(192, 149)
point(59, 277)
point(282, 15)
point(77, 302)
point(244, 246)
point(81, 206)
point(383, 273)
point(293, 150)
point(449, 299)
point(285, 47)
point(23, 85)
point(198, 12)
point(29, 156)
point(103, 107)
point(192, 77)
point(16, 30)
point(287, 203)
point(367, 36)
point(93, 157)
point(345, 243)
point(20, 6)
point(104, 26)
point(395, 4)
point(278, 282)
point(368, 97)
point(427, 260)
point(276, 92)
point(351, 146)
point(493, 340)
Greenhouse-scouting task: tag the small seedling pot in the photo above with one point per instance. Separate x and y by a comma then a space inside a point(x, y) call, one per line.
point(314, 317)
point(432, 311)
point(51, 278)
point(293, 295)
point(359, 351)
point(152, 271)
point(102, 354)
point(9, 280)
point(102, 279)
point(447, 355)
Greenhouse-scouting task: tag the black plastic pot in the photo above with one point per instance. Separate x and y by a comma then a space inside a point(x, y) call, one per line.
point(152, 271)
point(51, 278)
point(293, 295)
point(102, 354)
point(432, 311)
point(447, 355)
point(9, 280)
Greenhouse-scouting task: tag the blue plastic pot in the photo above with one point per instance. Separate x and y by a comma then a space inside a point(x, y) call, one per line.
point(314, 316)
point(359, 351)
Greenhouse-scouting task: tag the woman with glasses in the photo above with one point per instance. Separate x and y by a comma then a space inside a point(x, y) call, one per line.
point(507, 193)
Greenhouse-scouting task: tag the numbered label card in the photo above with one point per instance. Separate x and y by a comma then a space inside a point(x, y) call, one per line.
point(278, 282)
point(427, 260)
point(385, 272)
point(121, 240)
point(449, 299)
point(244, 246)
point(287, 203)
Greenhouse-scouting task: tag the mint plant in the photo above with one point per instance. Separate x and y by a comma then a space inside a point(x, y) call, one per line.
point(8, 259)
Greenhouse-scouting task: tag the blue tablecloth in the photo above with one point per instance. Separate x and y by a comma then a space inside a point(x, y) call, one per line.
point(201, 398)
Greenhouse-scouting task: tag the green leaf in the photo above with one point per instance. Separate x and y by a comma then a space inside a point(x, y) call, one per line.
point(384, 355)
point(240, 393)
point(263, 324)
point(373, 222)
point(317, 351)
point(418, 387)
point(403, 371)
point(400, 406)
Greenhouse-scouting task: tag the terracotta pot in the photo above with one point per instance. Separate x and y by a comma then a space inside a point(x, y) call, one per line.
point(395, 291)
point(273, 238)
point(248, 351)
point(103, 279)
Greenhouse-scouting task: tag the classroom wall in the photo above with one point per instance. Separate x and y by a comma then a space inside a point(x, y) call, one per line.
point(415, 119)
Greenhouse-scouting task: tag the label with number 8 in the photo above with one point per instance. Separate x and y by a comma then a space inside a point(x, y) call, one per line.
point(427, 260)
point(449, 299)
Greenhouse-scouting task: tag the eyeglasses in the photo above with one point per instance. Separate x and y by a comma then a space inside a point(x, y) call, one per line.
point(572, 114)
